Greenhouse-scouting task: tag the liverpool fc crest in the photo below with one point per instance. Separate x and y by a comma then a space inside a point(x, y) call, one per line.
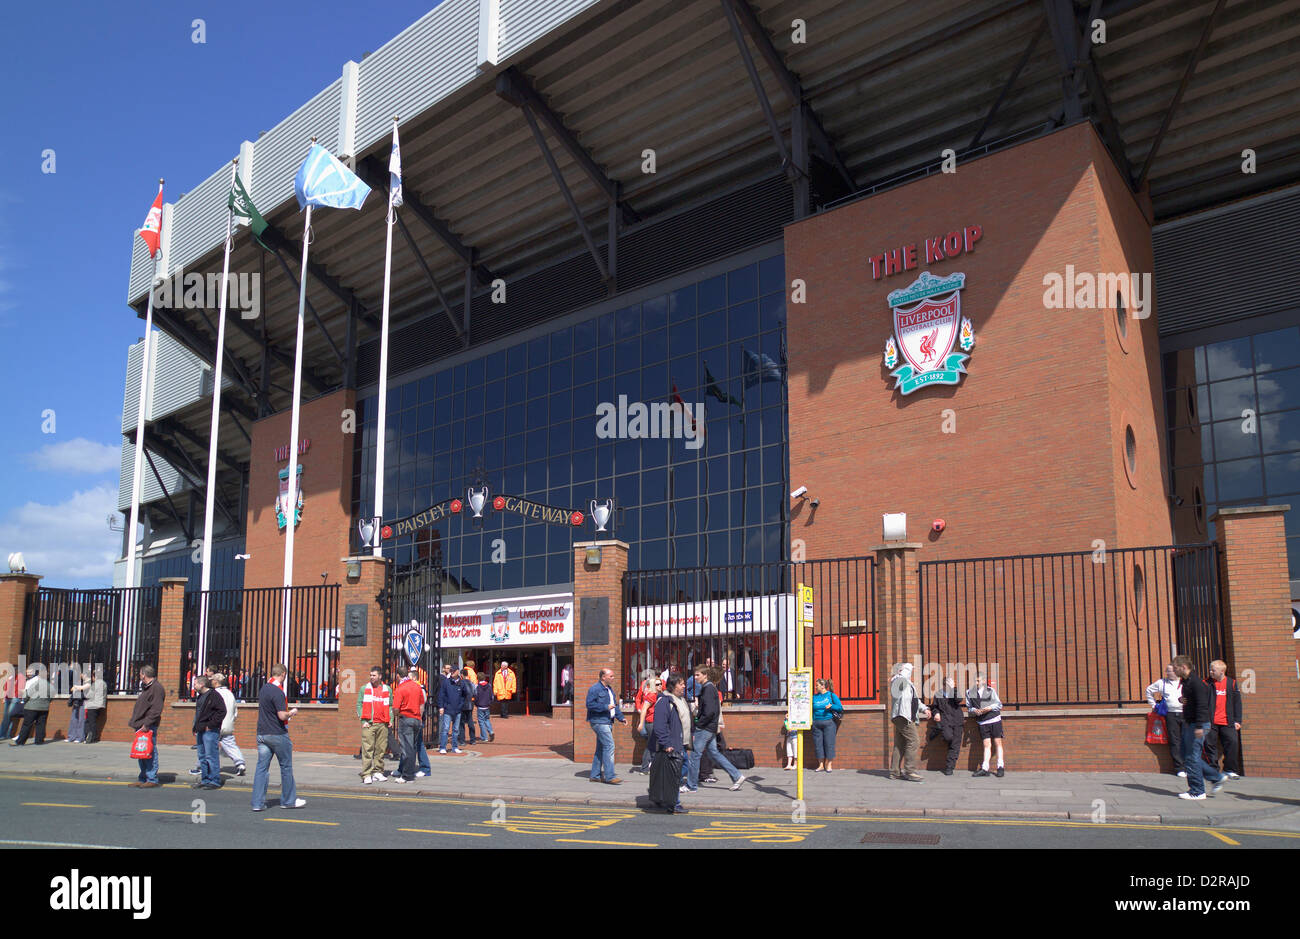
point(929, 326)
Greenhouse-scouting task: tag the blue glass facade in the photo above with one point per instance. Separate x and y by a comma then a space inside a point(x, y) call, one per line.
point(526, 416)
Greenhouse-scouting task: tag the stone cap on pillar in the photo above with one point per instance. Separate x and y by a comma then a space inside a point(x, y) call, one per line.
point(1239, 510)
point(21, 577)
point(365, 557)
point(600, 544)
point(898, 546)
point(164, 581)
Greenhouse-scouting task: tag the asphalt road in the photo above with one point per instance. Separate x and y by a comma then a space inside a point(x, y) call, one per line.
point(94, 813)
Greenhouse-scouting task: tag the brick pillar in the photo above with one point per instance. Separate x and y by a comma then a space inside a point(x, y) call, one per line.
point(171, 619)
point(605, 580)
point(898, 620)
point(355, 662)
point(1256, 596)
point(14, 591)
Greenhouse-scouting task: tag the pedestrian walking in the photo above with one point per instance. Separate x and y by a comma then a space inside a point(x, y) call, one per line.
point(602, 710)
point(375, 710)
point(209, 713)
point(983, 704)
point(1224, 738)
point(273, 716)
point(36, 707)
point(451, 703)
point(827, 710)
point(503, 686)
point(667, 744)
point(483, 708)
point(1165, 697)
point(409, 701)
point(704, 740)
point(229, 746)
point(146, 716)
point(905, 709)
point(946, 710)
point(1198, 717)
point(77, 706)
point(467, 734)
point(645, 704)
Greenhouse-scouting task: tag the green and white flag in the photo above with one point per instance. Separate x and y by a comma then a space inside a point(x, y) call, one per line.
point(242, 205)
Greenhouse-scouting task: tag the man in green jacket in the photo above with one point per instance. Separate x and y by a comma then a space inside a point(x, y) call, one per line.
point(36, 707)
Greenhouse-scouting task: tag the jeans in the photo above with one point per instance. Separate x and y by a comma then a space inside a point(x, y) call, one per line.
point(210, 757)
point(644, 731)
point(823, 733)
point(448, 731)
point(421, 754)
point(149, 767)
point(410, 730)
point(484, 723)
point(467, 733)
point(92, 724)
point(77, 722)
point(282, 747)
point(11, 705)
point(602, 764)
point(1197, 771)
point(706, 741)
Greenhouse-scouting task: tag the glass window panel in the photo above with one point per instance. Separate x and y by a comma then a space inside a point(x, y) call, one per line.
point(410, 394)
point(426, 389)
point(559, 470)
point(513, 482)
point(584, 336)
point(771, 275)
point(627, 321)
point(457, 406)
point(686, 552)
point(1278, 390)
point(683, 480)
point(491, 574)
point(539, 352)
point(742, 283)
point(494, 395)
point(585, 399)
point(682, 337)
point(584, 465)
point(627, 526)
point(1228, 359)
point(536, 411)
point(1293, 556)
point(654, 521)
point(742, 320)
point(715, 512)
point(625, 490)
point(493, 455)
point(717, 549)
point(713, 329)
point(737, 501)
point(537, 384)
point(474, 373)
point(1280, 431)
point(681, 304)
point(774, 501)
point(654, 485)
point(1282, 473)
point(1239, 480)
point(654, 384)
point(712, 293)
point(535, 571)
point(1229, 398)
point(535, 444)
point(604, 460)
point(458, 378)
point(682, 371)
point(474, 401)
point(654, 312)
point(457, 436)
point(771, 312)
point(516, 420)
point(516, 359)
point(654, 555)
point(627, 356)
point(654, 346)
point(627, 455)
point(534, 537)
point(774, 464)
point(457, 459)
point(473, 432)
point(754, 506)
point(561, 376)
point(494, 425)
point(561, 405)
point(584, 432)
point(686, 515)
point(561, 344)
point(559, 568)
point(1279, 349)
point(605, 329)
point(1231, 443)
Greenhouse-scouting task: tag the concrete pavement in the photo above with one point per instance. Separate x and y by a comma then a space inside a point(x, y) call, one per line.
point(478, 774)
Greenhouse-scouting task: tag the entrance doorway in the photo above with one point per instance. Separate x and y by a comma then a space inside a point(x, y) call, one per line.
point(532, 668)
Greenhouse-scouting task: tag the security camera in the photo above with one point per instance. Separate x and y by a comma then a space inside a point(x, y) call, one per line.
point(801, 491)
point(816, 502)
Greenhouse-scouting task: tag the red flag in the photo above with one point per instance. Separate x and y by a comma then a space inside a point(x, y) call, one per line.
point(152, 224)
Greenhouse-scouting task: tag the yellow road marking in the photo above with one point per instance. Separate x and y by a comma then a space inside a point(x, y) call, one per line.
point(434, 831)
point(1224, 838)
point(301, 821)
point(625, 844)
point(176, 812)
point(56, 805)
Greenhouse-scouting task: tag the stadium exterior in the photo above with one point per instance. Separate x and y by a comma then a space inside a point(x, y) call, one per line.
point(891, 254)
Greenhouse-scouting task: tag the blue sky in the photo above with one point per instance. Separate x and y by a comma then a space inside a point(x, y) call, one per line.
point(123, 95)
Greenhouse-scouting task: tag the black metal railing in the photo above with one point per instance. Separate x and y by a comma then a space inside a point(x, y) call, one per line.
point(1089, 627)
point(111, 632)
point(245, 637)
point(413, 601)
point(743, 617)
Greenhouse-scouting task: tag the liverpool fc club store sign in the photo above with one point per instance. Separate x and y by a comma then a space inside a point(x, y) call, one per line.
point(545, 619)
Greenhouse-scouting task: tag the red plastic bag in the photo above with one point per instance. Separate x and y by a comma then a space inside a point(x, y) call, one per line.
point(1157, 732)
point(142, 745)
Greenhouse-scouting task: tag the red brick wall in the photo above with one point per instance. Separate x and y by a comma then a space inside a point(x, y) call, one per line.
point(1034, 463)
point(603, 581)
point(315, 727)
point(322, 537)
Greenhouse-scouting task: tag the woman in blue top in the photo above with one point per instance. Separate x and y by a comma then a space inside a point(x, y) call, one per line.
point(826, 708)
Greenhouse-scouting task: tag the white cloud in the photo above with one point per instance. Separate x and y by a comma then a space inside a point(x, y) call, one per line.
point(70, 544)
point(78, 455)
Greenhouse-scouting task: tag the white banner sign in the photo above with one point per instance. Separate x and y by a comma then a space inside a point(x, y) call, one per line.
point(517, 621)
point(710, 618)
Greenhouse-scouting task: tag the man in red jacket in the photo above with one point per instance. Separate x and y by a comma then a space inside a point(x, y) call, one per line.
point(409, 699)
point(374, 708)
point(1224, 739)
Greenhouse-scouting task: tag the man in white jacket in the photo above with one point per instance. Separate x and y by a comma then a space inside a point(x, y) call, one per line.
point(1170, 690)
point(227, 739)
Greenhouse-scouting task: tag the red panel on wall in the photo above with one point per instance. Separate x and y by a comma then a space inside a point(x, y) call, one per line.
point(850, 662)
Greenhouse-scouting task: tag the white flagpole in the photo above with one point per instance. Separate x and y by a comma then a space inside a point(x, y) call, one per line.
point(291, 509)
point(200, 659)
point(383, 369)
point(137, 474)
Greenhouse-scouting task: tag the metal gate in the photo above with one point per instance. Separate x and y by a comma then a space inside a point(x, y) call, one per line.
point(413, 602)
point(112, 630)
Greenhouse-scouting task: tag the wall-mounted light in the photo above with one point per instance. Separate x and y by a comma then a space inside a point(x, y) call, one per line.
point(895, 525)
point(593, 556)
point(354, 568)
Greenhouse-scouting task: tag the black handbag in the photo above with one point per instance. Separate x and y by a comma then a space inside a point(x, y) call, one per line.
point(665, 778)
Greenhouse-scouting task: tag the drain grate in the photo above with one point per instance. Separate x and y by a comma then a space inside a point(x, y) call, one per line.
point(897, 837)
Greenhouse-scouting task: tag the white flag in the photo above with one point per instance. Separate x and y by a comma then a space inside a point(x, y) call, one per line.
point(395, 170)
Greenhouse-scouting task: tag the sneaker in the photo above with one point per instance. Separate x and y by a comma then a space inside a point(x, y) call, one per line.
point(239, 770)
point(443, 752)
point(1188, 795)
point(683, 788)
point(1234, 775)
point(677, 810)
point(711, 779)
point(492, 738)
point(194, 746)
point(1181, 774)
point(421, 774)
point(297, 804)
point(735, 787)
point(980, 772)
point(1000, 773)
point(456, 750)
point(210, 786)
point(947, 772)
point(913, 777)
point(397, 779)
point(198, 785)
point(259, 808)
point(614, 782)
point(196, 771)
point(1218, 786)
point(367, 780)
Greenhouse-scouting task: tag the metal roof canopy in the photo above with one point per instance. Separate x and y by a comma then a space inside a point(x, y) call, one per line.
point(1178, 90)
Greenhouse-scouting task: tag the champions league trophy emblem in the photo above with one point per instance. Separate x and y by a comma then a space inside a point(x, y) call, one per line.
point(602, 513)
point(477, 500)
point(368, 528)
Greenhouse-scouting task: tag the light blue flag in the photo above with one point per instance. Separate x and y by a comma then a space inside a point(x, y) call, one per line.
point(395, 171)
point(322, 180)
